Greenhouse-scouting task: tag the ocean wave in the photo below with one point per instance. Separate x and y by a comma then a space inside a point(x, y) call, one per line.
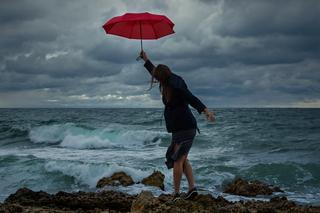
point(49, 133)
point(12, 132)
point(288, 174)
point(85, 142)
point(14, 159)
point(72, 136)
point(89, 174)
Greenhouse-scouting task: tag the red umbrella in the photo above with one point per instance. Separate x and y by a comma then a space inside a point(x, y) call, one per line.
point(139, 26)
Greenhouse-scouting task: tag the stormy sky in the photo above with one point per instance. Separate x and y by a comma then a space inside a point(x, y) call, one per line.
point(248, 53)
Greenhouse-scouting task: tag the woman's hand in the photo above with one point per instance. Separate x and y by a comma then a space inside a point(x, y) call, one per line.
point(143, 55)
point(210, 115)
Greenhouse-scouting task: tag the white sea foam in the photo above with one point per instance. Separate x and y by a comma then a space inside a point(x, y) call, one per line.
point(135, 189)
point(48, 134)
point(82, 142)
point(89, 174)
point(69, 135)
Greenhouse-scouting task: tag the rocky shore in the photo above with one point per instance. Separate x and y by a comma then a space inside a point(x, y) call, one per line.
point(26, 200)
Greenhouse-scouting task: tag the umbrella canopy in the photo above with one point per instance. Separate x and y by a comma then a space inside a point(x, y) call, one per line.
point(139, 26)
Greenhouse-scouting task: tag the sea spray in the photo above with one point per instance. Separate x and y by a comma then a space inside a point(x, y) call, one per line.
point(70, 135)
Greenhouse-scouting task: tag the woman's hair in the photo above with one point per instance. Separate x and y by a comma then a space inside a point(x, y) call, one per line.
point(161, 73)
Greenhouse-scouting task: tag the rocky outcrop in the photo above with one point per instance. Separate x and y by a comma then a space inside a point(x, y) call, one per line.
point(251, 189)
point(118, 178)
point(155, 179)
point(26, 200)
point(145, 201)
point(121, 178)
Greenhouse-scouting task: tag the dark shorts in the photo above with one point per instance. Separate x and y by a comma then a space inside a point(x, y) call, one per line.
point(184, 141)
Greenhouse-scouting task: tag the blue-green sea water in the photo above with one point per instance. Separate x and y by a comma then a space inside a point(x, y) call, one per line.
point(70, 149)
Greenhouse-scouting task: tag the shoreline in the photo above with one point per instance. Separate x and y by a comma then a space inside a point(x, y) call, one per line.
point(26, 200)
point(104, 200)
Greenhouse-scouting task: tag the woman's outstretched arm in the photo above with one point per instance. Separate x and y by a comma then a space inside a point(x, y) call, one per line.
point(198, 105)
point(194, 101)
point(148, 64)
point(210, 115)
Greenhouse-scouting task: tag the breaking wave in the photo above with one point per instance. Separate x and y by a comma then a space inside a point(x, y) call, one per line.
point(72, 136)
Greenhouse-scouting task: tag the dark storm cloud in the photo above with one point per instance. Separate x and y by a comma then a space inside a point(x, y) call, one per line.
point(260, 84)
point(61, 66)
point(258, 18)
point(231, 53)
point(255, 32)
point(44, 48)
point(11, 13)
point(114, 52)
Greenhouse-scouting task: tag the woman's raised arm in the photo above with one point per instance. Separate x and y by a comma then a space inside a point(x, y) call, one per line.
point(148, 64)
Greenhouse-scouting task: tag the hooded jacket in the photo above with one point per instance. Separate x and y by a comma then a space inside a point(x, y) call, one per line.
point(177, 113)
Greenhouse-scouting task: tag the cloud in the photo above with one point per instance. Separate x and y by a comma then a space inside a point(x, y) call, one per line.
point(312, 103)
point(231, 53)
point(259, 18)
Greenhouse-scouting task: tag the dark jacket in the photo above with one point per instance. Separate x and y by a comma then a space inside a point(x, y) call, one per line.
point(177, 113)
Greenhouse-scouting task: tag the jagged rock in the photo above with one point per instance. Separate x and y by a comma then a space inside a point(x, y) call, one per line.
point(155, 179)
point(143, 202)
point(283, 202)
point(10, 208)
point(118, 178)
point(26, 200)
point(84, 201)
point(27, 197)
point(251, 189)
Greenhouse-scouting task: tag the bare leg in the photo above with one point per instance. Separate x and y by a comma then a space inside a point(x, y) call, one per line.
point(177, 171)
point(187, 170)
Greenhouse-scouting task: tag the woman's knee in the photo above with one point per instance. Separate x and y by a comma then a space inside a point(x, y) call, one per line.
point(182, 159)
point(185, 162)
point(178, 164)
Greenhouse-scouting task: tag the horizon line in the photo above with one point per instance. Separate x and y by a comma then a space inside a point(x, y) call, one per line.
point(222, 107)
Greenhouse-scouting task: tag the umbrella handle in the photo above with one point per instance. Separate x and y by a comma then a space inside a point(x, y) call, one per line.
point(141, 36)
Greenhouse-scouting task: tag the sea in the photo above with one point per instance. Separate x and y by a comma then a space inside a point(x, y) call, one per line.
point(71, 149)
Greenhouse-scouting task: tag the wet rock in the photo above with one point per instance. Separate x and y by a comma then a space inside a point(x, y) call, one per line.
point(282, 202)
point(26, 200)
point(143, 203)
point(251, 189)
point(10, 208)
point(27, 197)
point(278, 204)
point(79, 201)
point(118, 178)
point(155, 179)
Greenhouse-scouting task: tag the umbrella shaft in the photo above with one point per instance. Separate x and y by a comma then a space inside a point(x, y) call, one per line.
point(141, 36)
point(141, 44)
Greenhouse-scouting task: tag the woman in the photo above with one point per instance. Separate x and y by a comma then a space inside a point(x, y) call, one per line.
point(179, 121)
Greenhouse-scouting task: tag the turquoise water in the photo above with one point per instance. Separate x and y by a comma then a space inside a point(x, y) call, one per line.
point(70, 149)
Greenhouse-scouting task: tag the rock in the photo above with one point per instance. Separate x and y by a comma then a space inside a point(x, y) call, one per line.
point(155, 179)
point(26, 200)
point(143, 202)
point(10, 208)
point(80, 201)
point(118, 178)
point(282, 202)
point(27, 197)
point(251, 189)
